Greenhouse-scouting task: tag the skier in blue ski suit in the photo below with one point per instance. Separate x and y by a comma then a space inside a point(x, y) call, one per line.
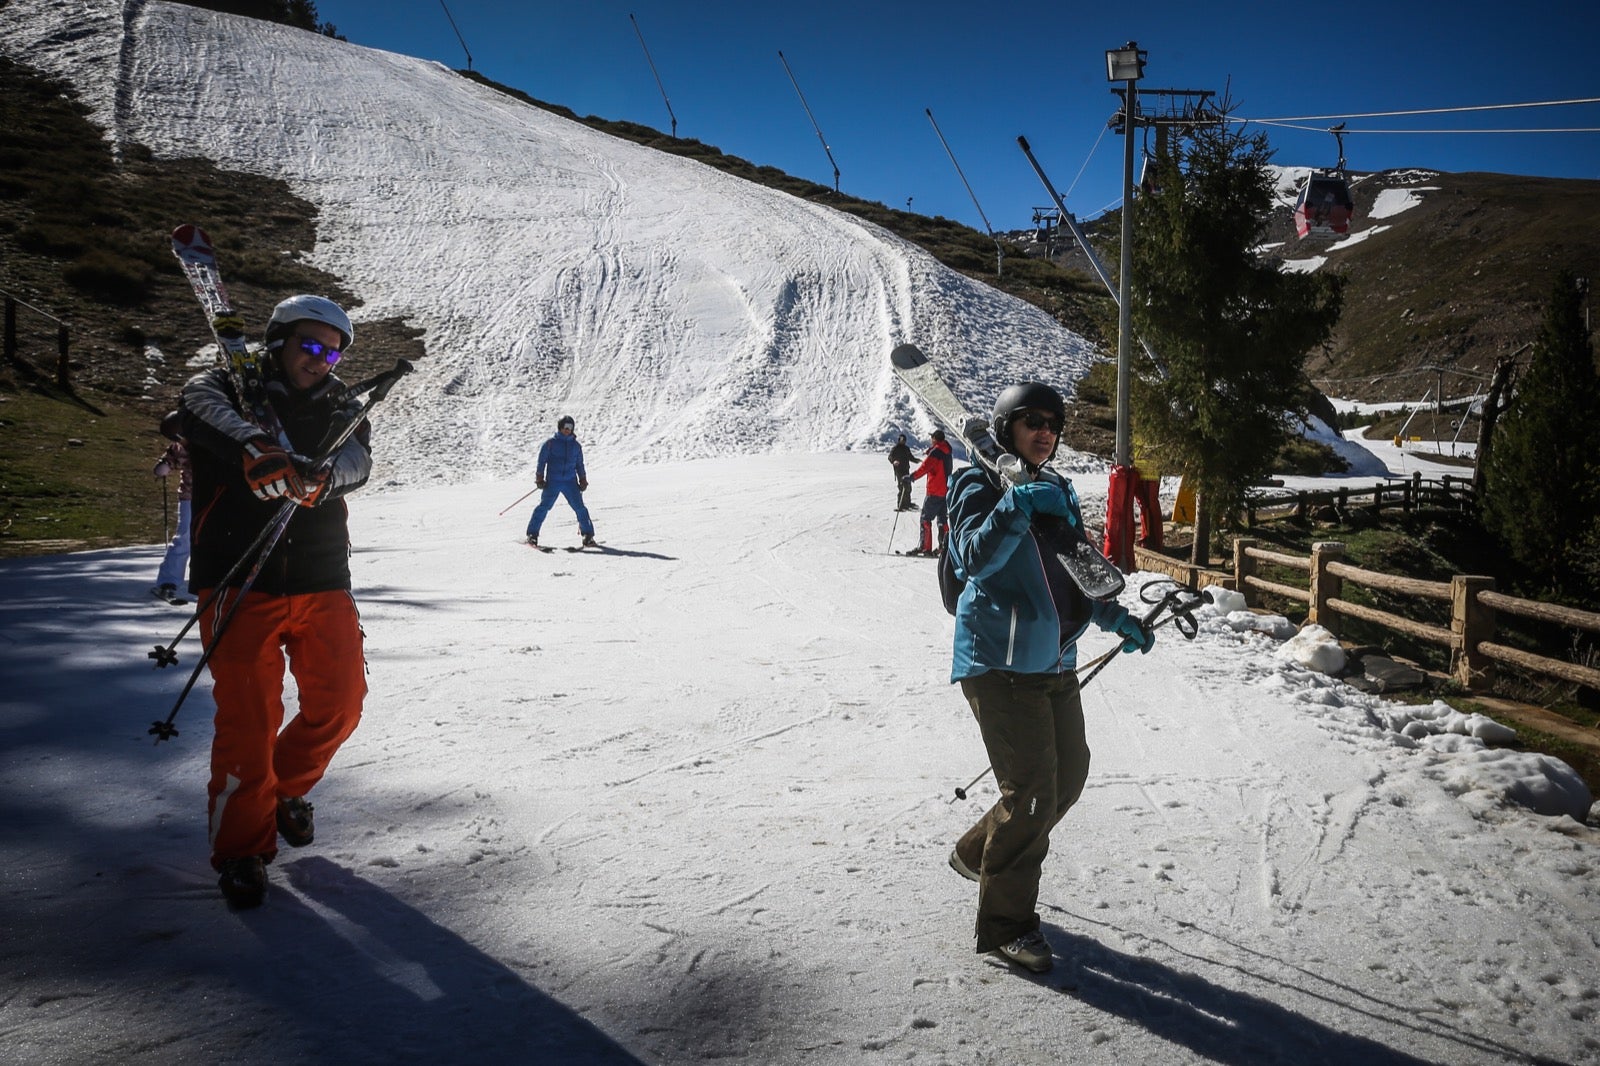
point(560, 473)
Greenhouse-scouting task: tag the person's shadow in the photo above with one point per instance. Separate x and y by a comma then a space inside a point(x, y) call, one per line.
point(606, 549)
point(390, 985)
point(1229, 1026)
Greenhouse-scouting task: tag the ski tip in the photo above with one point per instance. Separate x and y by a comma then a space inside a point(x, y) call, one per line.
point(189, 235)
point(907, 356)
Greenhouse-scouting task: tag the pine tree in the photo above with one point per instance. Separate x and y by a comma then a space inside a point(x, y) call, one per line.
point(1232, 331)
point(1541, 493)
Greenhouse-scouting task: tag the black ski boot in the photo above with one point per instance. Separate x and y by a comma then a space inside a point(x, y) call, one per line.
point(243, 882)
point(296, 824)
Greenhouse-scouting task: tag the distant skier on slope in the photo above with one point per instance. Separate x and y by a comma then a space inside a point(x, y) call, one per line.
point(900, 462)
point(936, 468)
point(175, 460)
point(300, 602)
point(560, 473)
point(1017, 625)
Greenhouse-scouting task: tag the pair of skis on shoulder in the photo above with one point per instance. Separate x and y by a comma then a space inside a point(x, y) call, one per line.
point(1091, 571)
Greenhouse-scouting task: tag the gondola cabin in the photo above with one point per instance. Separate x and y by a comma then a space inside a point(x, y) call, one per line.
point(1325, 207)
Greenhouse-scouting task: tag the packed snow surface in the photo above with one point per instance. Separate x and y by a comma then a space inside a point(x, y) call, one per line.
point(691, 798)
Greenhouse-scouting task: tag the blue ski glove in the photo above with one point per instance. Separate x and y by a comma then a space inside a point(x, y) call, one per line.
point(1136, 636)
point(1041, 498)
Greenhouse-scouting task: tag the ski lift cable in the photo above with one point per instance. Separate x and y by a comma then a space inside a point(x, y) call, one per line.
point(1460, 372)
point(1422, 111)
point(1086, 160)
point(1319, 129)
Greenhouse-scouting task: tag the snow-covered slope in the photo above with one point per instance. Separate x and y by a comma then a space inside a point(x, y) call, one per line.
point(676, 311)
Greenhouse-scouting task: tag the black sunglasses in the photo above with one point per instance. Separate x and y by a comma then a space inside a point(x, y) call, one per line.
point(1035, 420)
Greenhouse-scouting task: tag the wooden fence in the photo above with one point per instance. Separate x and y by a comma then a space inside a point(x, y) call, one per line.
point(1473, 606)
point(1405, 494)
point(63, 338)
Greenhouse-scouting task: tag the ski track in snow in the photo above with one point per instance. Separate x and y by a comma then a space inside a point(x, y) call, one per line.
point(692, 799)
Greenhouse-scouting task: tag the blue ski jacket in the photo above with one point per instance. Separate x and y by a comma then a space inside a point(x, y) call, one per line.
point(1019, 610)
point(561, 459)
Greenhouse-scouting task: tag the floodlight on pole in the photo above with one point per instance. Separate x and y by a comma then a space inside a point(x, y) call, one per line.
point(1125, 64)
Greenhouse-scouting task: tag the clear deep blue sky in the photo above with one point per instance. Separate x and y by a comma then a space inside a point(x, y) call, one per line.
point(992, 71)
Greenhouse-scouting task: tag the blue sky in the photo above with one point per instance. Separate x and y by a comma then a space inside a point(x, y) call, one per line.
point(869, 71)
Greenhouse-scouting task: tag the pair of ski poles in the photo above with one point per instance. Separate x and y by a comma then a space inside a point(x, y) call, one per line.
point(1180, 600)
point(377, 388)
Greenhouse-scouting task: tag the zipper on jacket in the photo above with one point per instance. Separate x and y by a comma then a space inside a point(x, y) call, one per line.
point(1011, 639)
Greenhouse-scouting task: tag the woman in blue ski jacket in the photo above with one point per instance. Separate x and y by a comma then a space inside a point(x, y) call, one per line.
point(1017, 625)
point(560, 473)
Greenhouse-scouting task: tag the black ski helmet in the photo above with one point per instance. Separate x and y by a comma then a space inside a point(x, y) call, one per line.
point(172, 425)
point(565, 421)
point(1031, 396)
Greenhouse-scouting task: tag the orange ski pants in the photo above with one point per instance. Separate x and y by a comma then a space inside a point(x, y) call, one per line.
point(255, 758)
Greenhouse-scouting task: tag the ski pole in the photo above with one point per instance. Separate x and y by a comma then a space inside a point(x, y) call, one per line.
point(519, 499)
point(164, 729)
point(961, 793)
point(1180, 600)
point(892, 529)
point(267, 539)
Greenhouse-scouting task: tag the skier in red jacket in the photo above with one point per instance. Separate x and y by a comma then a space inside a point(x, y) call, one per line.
point(936, 466)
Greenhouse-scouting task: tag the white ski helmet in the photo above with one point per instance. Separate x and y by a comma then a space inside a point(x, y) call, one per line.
point(304, 308)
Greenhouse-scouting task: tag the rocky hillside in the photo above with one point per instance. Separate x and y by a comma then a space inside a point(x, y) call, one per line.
point(1454, 282)
point(1439, 289)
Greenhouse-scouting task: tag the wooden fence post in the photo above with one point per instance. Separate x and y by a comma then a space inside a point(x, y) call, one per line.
point(1324, 585)
point(1470, 623)
point(63, 367)
point(1243, 567)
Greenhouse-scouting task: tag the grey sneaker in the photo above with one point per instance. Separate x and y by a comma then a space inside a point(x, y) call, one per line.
point(960, 867)
point(1031, 951)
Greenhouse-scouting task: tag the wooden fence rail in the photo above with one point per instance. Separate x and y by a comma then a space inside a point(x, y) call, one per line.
point(63, 338)
point(1406, 494)
point(1473, 605)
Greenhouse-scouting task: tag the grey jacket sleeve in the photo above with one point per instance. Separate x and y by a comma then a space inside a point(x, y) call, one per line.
point(206, 398)
point(352, 463)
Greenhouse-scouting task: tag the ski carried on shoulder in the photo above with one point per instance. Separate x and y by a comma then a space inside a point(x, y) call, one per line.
point(1091, 571)
point(247, 369)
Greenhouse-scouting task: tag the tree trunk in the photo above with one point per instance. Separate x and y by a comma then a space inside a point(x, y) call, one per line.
point(1499, 384)
point(1200, 552)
